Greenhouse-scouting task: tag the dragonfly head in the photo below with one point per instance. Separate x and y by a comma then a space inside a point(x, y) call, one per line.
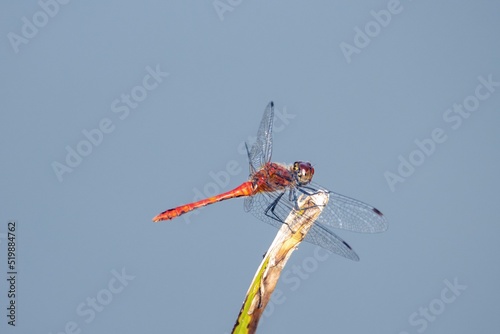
point(303, 171)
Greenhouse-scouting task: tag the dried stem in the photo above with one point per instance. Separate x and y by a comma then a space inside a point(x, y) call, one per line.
point(288, 238)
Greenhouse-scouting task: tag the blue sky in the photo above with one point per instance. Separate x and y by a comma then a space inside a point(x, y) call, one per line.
point(113, 112)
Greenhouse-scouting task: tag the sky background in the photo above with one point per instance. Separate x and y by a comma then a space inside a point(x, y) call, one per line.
point(354, 115)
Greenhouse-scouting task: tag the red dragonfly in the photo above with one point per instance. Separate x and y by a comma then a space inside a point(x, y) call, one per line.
point(273, 189)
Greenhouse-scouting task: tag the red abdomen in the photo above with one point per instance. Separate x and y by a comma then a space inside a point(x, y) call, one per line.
point(245, 189)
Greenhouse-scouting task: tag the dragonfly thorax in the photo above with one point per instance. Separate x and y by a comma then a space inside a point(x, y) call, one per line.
point(303, 172)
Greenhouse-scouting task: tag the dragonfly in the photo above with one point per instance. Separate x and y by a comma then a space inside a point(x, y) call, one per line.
point(273, 189)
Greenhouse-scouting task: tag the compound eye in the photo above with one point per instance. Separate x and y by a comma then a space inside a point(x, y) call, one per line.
point(305, 172)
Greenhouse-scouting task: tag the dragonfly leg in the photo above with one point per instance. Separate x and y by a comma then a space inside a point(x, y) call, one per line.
point(252, 168)
point(269, 211)
point(309, 191)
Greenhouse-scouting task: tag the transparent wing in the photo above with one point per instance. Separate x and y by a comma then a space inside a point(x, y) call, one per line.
point(261, 150)
point(320, 235)
point(349, 214)
point(260, 204)
point(274, 207)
